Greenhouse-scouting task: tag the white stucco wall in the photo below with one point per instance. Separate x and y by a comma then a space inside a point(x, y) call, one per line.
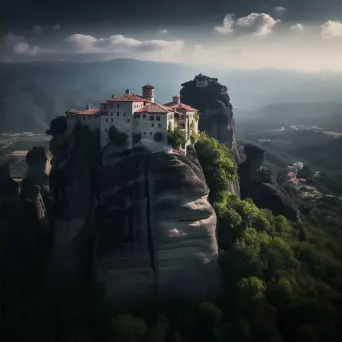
point(71, 121)
point(92, 121)
point(119, 114)
point(148, 124)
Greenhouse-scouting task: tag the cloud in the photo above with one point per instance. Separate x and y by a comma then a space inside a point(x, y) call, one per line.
point(56, 27)
point(280, 9)
point(331, 29)
point(297, 28)
point(14, 47)
point(87, 47)
point(227, 25)
point(164, 31)
point(258, 23)
point(22, 48)
point(37, 29)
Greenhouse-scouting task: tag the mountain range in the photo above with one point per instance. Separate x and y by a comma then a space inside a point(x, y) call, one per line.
point(31, 94)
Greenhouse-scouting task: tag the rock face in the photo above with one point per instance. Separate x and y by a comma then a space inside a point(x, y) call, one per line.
point(24, 244)
point(155, 226)
point(216, 110)
point(261, 186)
point(216, 113)
point(71, 215)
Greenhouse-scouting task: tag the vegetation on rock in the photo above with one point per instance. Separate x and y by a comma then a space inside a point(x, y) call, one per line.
point(117, 137)
point(58, 126)
point(87, 144)
point(176, 138)
point(283, 280)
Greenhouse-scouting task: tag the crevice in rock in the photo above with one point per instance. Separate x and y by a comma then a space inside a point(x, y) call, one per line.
point(150, 244)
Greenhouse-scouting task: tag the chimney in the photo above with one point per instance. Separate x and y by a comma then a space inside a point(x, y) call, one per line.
point(127, 92)
point(113, 96)
point(87, 106)
point(175, 99)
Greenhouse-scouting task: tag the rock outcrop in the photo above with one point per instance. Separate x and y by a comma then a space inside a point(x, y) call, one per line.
point(216, 113)
point(71, 216)
point(216, 110)
point(262, 187)
point(155, 226)
point(24, 243)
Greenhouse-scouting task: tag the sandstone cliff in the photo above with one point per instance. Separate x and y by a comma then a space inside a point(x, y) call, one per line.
point(155, 226)
point(216, 113)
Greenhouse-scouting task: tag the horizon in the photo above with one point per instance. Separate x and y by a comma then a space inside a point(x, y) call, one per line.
point(248, 36)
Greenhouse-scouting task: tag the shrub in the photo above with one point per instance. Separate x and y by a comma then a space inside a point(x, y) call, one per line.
point(117, 137)
point(176, 138)
point(58, 126)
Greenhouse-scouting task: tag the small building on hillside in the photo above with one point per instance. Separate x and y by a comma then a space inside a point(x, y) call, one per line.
point(136, 115)
point(90, 117)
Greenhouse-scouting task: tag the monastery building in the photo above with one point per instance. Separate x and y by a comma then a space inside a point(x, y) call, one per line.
point(136, 115)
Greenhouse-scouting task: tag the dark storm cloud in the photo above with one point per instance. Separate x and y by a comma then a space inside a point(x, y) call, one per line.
point(155, 12)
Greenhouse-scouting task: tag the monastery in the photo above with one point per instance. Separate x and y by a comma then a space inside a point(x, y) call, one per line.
point(136, 115)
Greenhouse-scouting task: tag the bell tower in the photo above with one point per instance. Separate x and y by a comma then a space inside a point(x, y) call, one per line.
point(148, 92)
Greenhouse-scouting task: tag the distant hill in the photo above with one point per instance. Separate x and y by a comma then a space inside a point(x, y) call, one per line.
point(31, 94)
point(323, 114)
point(327, 156)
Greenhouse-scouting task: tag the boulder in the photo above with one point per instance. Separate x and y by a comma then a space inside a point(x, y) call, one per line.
point(155, 226)
point(261, 186)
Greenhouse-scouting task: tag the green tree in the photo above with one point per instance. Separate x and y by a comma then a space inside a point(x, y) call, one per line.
point(117, 137)
point(219, 167)
point(176, 138)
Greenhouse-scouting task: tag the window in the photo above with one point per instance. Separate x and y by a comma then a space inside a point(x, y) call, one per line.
point(152, 125)
point(84, 118)
point(144, 116)
point(144, 133)
point(137, 116)
point(152, 117)
point(128, 120)
point(158, 125)
point(112, 120)
point(106, 130)
point(111, 106)
point(106, 120)
point(111, 113)
point(117, 106)
point(104, 107)
point(124, 113)
point(89, 117)
point(158, 118)
point(117, 114)
point(150, 133)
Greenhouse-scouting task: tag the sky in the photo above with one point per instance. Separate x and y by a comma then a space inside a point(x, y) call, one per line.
point(303, 35)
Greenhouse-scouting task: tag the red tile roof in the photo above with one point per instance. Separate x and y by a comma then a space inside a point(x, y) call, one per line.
point(180, 106)
point(154, 108)
point(291, 174)
point(72, 111)
point(148, 86)
point(126, 98)
point(90, 111)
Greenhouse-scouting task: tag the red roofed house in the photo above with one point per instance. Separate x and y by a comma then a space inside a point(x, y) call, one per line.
point(185, 115)
point(89, 117)
point(133, 114)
